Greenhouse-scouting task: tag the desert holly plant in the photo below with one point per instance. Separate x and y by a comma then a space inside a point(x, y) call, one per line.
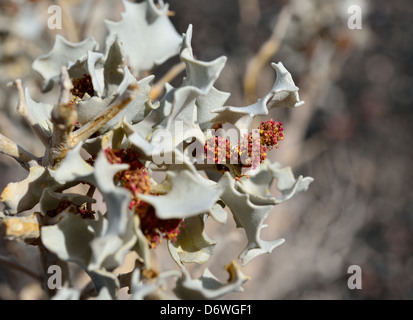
point(127, 166)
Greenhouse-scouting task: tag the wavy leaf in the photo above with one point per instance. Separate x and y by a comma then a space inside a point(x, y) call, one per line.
point(208, 286)
point(175, 204)
point(284, 93)
point(193, 243)
point(64, 53)
point(248, 216)
point(24, 195)
point(148, 37)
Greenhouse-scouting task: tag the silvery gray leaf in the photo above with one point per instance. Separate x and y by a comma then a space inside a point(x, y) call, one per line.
point(258, 185)
point(287, 184)
point(193, 243)
point(92, 247)
point(175, 204)
point(67, 294)
point(144, 127)
point(184, 125)
point(51, 199)
point(179, 109)
point(117, 199)
point(206, 103)
point(109, 250)
point(218, 213)
point(200, 74)
point(104, 294)
point(25, 194)
point(64, 53)
point(59, 239)
point(284, 93)
point(248, 216)
point(95, 65)
point(104, 279)
point(141, 247)
point(107, 71)
point(208, 286)
point(144, 147)
point(148, 37)
point(177, 113)
point(74, 168)
point(114, 72)
point(115, 138)
point(135, 111)
point(41, 113)
point(141, 290)
point(89, 107)
point(93, 145)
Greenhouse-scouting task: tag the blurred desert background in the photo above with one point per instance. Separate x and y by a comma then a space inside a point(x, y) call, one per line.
point(352, 135)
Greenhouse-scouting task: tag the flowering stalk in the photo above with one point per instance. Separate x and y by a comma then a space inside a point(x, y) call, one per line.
point(249, 152)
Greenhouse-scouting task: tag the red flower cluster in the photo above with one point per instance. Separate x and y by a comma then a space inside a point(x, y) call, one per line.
point(137, 180)
point(214, 150)
point(271, 132)
point(250, 150)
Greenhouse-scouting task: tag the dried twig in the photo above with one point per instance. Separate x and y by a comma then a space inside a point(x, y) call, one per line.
point(103, 117)
point(66, 86)
point(25, 158)
point(267, 51)
point(64, 117)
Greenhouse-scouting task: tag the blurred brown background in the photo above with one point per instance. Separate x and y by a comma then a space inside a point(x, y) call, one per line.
point(353, 135)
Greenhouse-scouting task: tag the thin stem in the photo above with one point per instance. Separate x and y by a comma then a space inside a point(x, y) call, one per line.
point(22, 156)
